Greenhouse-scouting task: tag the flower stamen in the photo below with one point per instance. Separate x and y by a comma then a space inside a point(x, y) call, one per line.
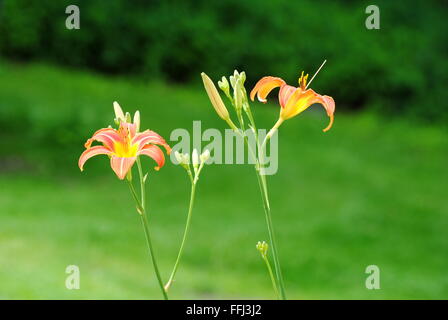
point(302, 80)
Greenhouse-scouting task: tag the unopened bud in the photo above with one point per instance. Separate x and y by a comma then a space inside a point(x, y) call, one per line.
point(182, 159)
point(235, 77)
point(243, 77)
point(195, 159)
point(224, 86)
point(215, 98)
point(238, 94)
point(178, 156)
point(137, 121)
point(128, 118)
point(262, 247)
point(205, 156)
point(119, 115)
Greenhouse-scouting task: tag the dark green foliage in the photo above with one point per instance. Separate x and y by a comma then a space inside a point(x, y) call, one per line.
point(400, 68)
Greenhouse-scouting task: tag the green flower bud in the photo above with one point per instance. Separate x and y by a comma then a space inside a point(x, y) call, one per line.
point(204, 156)
point(224, 86)
point(128, 117)
point(262, 247)
point(243, 77)
point(238, 94)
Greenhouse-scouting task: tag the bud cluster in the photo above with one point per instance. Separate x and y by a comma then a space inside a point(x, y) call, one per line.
point(235, 91)
point(262, 247)
point(120, 116)
point(197, 162)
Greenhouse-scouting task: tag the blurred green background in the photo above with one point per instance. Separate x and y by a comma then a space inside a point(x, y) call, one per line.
point(370, 191)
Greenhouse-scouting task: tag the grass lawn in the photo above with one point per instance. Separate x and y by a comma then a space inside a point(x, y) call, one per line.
point(370, 191)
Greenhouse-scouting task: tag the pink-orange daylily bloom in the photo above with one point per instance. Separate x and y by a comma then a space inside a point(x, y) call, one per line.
point(123, 146)
point(293, 100)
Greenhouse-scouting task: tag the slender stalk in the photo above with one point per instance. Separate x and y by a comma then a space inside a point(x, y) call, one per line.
point(267, 210)
point(265, 197)
point(271, 132)
point(187, 226)
point(264, 194)
point(151, 253)
point(141, 208)
point(271, 275)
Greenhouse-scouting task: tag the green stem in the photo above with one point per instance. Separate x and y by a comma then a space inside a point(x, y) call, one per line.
point(267, 210)
point(141, 208)
point(151, 253)
point(271, 274)
point(271, 132)
point(187, 226)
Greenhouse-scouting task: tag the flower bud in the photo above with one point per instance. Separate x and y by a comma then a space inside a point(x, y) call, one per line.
point(137, 121)
point(243, 77)
point(183, 159)
point(179, 157)
point(215, 98)
point(195, 159)
point(262, 247)
point(238, 94)
point(224, 86)
point(205, 156)
point(128, 118)
point(119, 115)
point(233, 81)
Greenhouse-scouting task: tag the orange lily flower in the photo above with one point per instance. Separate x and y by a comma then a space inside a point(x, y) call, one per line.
point(124, 145)
point(293, 100)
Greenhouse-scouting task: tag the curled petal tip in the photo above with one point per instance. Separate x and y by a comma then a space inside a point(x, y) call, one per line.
point(264, 86)
point(329, 125)
point(88, 143)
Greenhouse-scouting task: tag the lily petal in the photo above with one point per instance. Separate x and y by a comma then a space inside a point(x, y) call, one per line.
point(155, 153)
point(107, 136)
point(91, 152)
point(284, 94)
point(149, 136)
point(121, 165)
point(300, 100)
point(264, 86)
point(329, 106)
